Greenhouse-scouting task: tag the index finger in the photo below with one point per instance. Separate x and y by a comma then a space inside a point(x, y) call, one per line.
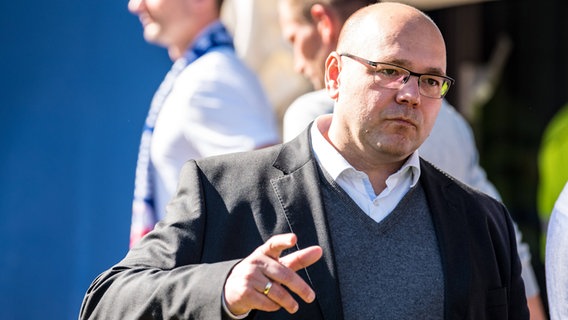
point(274, 246)
point(302, 258)
point(284, 273)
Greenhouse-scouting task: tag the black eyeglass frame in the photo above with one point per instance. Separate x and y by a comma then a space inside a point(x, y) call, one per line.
point(375, 64)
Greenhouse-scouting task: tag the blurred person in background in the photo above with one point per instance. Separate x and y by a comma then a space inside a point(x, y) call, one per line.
point(209, 102)
point(312, 27)
point(552, 202)
point(557, 258)
point(552, 164)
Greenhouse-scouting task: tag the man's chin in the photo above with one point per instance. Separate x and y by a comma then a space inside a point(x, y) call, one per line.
point(151, 35)
point(397, 148)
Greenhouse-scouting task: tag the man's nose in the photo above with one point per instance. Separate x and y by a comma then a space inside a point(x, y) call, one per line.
point(409, 93)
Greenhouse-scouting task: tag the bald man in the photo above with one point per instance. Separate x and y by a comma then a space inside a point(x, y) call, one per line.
point(312, 28)
point(277, 233)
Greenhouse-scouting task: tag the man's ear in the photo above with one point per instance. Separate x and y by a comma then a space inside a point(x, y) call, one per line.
point(332, 72)
point(325, 21)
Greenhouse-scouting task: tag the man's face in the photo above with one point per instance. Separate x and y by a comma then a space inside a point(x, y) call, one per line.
point(165, 22)
point(308, 50)
point(380, 123)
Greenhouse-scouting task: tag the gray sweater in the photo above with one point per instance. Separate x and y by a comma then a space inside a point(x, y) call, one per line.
point(386, 270)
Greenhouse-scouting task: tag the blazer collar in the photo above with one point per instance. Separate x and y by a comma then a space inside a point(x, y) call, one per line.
point(300, 197)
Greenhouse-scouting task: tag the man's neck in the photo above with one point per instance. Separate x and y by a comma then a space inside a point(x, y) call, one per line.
point(377, 171)
point(178, 50)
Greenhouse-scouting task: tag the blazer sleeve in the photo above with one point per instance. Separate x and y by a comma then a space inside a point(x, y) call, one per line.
point(163, 275)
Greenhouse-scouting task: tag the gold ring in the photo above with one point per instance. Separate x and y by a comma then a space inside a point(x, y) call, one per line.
point(267, 288)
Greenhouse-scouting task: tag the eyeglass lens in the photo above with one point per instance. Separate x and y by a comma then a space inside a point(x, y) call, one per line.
point(391, 77)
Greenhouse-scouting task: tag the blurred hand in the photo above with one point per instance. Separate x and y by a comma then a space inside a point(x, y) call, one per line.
point(247, 281)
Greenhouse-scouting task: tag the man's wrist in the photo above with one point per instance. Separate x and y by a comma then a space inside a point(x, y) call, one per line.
point(228, 312)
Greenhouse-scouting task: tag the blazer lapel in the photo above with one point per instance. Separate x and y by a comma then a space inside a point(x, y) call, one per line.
point(299, 195)
point(450, 222)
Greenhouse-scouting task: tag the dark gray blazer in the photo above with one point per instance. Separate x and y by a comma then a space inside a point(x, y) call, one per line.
point(227, 206)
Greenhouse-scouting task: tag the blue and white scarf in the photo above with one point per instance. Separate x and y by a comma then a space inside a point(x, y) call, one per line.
point(144, 216)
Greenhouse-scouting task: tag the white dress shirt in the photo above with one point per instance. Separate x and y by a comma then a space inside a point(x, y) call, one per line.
point(356, 183)
point(216, 106)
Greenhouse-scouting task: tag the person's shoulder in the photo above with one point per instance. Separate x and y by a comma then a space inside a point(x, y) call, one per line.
point(449, 116)
point(304, 110)
point(309, 105)
point(222, 72)
point(241, 161)
point(319, 97)
point(240, 174)
point(461, 189)
point(222, 57)
point(268, 161)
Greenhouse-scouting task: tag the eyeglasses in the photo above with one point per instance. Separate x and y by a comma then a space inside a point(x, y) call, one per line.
point(391, 76)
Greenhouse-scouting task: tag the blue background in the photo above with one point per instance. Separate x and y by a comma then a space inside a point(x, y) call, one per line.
point(75, 86)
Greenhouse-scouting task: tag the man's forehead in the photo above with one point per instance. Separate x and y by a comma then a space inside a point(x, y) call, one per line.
point(415, 51)
point(417, 67)
point(416, 57)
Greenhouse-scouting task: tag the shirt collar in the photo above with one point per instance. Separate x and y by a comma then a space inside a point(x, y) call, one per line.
point(335, 164)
